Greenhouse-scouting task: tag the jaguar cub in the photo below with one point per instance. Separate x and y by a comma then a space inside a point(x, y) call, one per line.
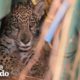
point(17, 35)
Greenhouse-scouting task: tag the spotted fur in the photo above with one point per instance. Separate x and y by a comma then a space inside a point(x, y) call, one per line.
point(17, 35)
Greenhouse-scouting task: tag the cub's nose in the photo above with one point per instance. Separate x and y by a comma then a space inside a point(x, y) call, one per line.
point(25, 38)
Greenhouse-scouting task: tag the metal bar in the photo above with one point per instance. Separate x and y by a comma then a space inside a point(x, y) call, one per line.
point(59, 16)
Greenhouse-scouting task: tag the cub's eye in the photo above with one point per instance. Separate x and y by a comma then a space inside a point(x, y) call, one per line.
point(35, 31)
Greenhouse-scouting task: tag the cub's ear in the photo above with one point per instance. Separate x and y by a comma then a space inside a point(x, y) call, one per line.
point(39, 9)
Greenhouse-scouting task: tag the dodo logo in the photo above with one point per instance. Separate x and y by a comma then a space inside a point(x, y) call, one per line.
point(3, 73)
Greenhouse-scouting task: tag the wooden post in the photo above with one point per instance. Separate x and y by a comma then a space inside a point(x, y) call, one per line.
point(63, 43)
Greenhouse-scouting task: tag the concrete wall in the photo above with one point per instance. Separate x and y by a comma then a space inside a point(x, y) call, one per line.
point(5, 6)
